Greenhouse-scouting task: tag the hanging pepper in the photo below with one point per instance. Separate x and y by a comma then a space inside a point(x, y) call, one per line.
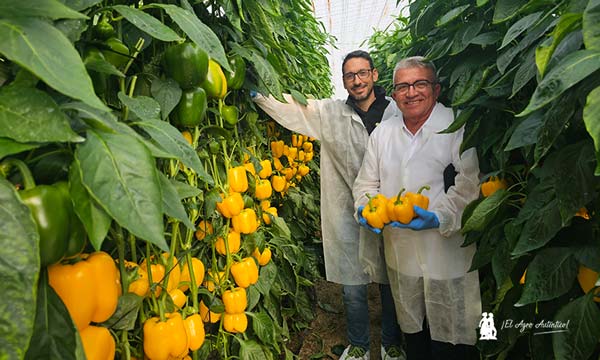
point(139, 285)
point(231, 205)
point(235, 300)
point(60, 230)
point(400, 209)
point(492, 185)
point(230, 114)
point(185, 280)
point(236, 176)
point(235, 323)
point(266, 169)
point(307, 147)
point(191, 109)
point(250, 168)
point(583, 213)
point(309, 156)
point(194, 329)
point(207, 315)
point(89, 288)
point(265, 215)
point(245, 222)
point(277, 148)
point(263, 189)
point(245, 272)
point(103, 29)
point(116, 52)
point(204, 228)
point(419, 199)
point(187, 64)
point(303, 170)
point(262, 258)
point(233, 242)
point(165, 340)
point(214, 280)
point(178, 297)
point(215, 83)
point(98, 343)
point(235, 77)
point(375, 211)
point(277, 164)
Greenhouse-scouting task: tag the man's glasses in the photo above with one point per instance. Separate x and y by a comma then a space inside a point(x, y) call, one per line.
point(419, 85)
point(362, 74)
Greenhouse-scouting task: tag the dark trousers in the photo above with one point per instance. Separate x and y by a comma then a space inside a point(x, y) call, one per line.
point(419, 346)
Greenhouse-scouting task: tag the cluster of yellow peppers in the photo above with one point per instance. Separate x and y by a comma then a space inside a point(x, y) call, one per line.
point(297, 156)
point(380, 210)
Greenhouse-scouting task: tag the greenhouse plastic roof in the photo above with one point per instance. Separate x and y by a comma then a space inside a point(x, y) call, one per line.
point(352, 22)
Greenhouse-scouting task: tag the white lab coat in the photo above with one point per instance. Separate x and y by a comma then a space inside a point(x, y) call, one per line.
point(427, 269)
point(343, 142)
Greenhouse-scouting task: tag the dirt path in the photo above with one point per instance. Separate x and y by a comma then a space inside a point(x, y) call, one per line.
point(328, 330)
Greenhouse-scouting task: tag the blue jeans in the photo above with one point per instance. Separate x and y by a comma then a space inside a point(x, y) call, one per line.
point(357, 316)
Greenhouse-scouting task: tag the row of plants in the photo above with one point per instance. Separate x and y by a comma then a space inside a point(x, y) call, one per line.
point(523, 79)
point(148, 209)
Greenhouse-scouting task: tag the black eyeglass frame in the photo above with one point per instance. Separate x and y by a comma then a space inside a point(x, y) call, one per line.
point(415, 85)
point(365, 74)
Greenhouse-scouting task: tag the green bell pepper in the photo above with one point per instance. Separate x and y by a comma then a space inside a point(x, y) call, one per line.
point(116, 52)
point(230, 114)
point(191, 109)
point(103, 30)
point(187, 64)
point(53, 213)
point(235, 77)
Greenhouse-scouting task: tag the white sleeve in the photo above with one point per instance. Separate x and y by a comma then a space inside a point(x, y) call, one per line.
point(294, 116)
point(464, 190)
point(367, 181)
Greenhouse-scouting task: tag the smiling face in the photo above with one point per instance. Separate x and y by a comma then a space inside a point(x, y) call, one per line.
point(361, 90)
point(416, 105)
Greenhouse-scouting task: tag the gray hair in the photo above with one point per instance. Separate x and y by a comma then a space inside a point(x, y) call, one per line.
point(416, 61)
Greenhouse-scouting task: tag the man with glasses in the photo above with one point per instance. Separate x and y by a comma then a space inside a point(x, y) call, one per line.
point(437, 299)
point(343, 127)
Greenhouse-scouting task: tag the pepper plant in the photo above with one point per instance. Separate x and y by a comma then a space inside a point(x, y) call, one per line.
point(140, 110)
point(523, 79)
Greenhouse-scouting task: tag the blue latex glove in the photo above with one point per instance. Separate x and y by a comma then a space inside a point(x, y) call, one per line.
point(424, 220)
point(253, 93)
point(363, 222)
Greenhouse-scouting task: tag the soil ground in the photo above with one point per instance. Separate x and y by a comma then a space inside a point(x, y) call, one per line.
point(327, 333)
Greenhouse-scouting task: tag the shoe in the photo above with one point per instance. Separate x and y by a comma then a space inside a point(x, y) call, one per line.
point(392, 353)
point(355, 353)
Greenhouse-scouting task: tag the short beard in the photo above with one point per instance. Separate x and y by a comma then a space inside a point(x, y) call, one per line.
point(362, 98)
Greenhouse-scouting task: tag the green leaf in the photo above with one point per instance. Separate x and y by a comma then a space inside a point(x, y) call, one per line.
point(299, 97)
point(31, 115)
point(541, 216)
point(171, 203)
point(549, 275)
point(52, 9)
point(591, 25)
point(459, 121)
point(485, 211)
point(267, 74)
point(146, 108)
point(111, 167)
point(80, 4)
point(519, 27)
point(555, 120)
point(201, 34)
point(99, 64)
point(185, 190)
point(19, 266)
point(125, 317)
point(168, 93)
point(591, 118)
point(94, 219)
point(506, 9)
point(168, 138)
point(268, 273)
point(94, 118)
point(10, 147)
point(281, 228)
point(464, 35)
point(525, 72)
point(263, 327)
point(487, 38)
point(572, 69)
point(46, 52)
point(468, 85)
point(451, 15)
point(55, 335)
point(526, 132)
point(251, 350)
point(579, 342)
point(567, 23)
point(147, 23)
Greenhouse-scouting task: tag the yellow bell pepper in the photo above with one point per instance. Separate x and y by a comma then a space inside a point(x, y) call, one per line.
point(194, 329)
point(235, 300)
point(263, 189)
point(185, 280)
point(204, 228)
point(399, 208)
point(245, 272)
point(230, 205)
point(235, 323)
point(277, 148)
point(245, 222)
point(233, 242)
point(492, 185)
point(375, 212)
point(265, 215)
point(262, 258)
point(236, 176)
point(419, 199)
point(266, 170)
point(207, 315)
point(98, 343)
point(164, 340)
